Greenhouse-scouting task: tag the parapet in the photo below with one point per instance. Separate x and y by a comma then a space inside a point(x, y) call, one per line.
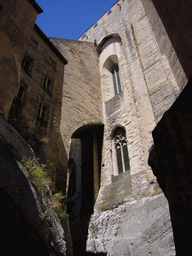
point(115, 8)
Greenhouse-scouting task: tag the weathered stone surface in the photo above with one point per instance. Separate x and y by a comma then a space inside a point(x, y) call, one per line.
point(130, 215)
point(163, 40)
point(13, 180)
point(136, 228)
point(149, 87)
point(174, 25)
point(12, 139)
point(15, 31)
point(171, 160)
point(81, 97)
point(125, 188)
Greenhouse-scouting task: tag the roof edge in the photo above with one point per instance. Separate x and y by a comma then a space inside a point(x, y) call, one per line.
point(50, 44)
point(36, 6)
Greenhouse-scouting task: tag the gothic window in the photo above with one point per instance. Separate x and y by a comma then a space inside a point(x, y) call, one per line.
point(122, 156)
point(42, 114)
point(116, 79)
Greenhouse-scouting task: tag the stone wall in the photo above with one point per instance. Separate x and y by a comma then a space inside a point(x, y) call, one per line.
point(165, 43)
point(131, 113)
point(45, 138)
point(176, 18)
point(170, 160)
point(149, 86)
point(136, 228)
point(125, 37)
point(81, 96)
point(15, 32)
point(24, 199)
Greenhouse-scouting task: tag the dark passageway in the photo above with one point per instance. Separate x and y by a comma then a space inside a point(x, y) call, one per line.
point(84, 168)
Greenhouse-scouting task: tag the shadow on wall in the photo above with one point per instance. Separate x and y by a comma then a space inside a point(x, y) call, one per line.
point(171, 162)
point(84, 182)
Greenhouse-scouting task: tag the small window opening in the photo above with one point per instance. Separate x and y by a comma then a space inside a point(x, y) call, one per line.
point(42, 115)
point(48, 85)
point(116, 79)
point(18, 100)
point(27, 65)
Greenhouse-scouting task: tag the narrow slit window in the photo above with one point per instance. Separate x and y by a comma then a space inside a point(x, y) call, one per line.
point(42, 115)
point(27, 64)
point(18, 100)
point(48, 85)
point(116, 79)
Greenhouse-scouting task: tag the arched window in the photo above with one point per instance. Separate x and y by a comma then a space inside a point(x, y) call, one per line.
point(116, 78)
point(120, 142)
point(111, 77)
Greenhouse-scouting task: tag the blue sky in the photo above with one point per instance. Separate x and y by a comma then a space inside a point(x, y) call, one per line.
point(70, 18)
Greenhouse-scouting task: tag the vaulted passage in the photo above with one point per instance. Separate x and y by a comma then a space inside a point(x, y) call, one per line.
point(17, 236)
point(83, 182)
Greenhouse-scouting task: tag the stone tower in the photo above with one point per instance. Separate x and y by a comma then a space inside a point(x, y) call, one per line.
point(120, 80)
point(98, 108)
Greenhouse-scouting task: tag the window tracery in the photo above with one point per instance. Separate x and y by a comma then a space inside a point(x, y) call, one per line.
point(120, 142)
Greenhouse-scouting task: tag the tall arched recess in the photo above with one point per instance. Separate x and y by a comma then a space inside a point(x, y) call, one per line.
point(110, 54)
point(83, 180)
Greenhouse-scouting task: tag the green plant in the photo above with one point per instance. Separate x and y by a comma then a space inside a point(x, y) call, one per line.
point(56, 199)
point(37, 175)
point(45, 140)
point(62, 213)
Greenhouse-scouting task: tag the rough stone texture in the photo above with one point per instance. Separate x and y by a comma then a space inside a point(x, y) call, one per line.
point(171, 160)
point(151, 74)
point(81, 97)
point(148, 84)
point(176, 18)
point(24, 120)
point(165, 45)
point(137, 228)
point(11, 138)
point(15, 31)
point(13, 180)
point(160, 88)
point(125, 188)
point(149, 87)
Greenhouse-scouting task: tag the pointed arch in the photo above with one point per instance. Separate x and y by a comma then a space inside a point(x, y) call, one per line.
point(112, 67)
point(121, 149)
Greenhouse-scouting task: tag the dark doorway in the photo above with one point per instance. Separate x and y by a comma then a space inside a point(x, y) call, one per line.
point(85, 169)
point(87, 191)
